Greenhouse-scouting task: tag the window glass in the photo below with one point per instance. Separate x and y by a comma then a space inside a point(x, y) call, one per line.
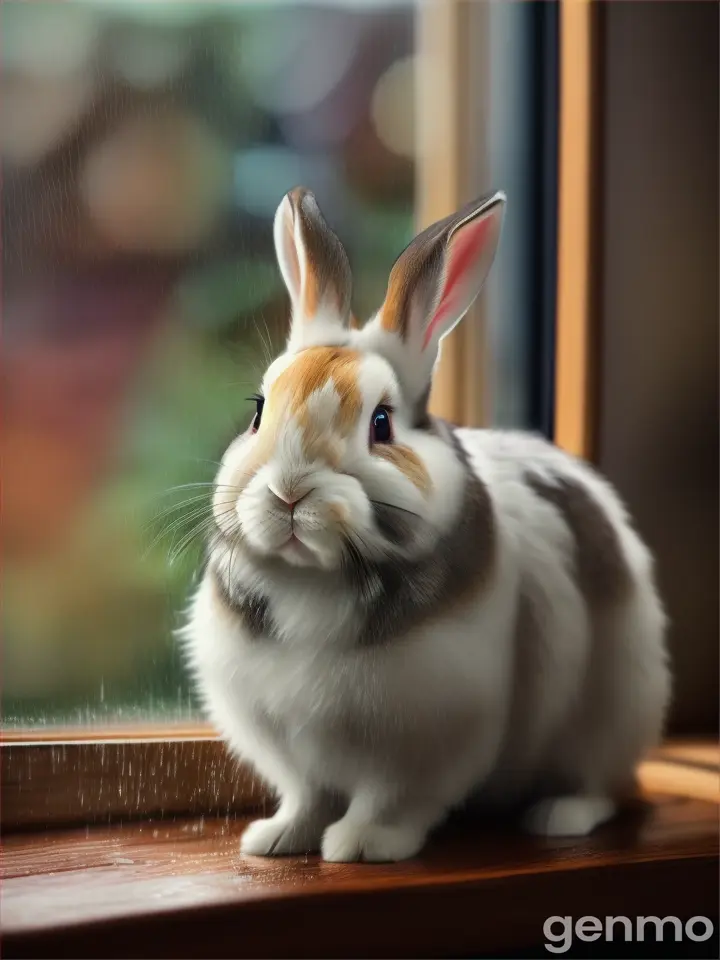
point(145, 148)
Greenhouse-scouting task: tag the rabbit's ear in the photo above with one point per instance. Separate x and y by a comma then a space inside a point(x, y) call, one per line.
point(314, 266)
point(434, 282)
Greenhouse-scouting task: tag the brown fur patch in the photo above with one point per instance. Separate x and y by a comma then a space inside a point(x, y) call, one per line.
point(339, 513)
point(408, 462)
point(308, 373)
point(327, 270)
point(602, 569)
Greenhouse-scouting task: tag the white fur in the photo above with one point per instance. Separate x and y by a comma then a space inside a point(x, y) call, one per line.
point(429, 713)
point(369, 747)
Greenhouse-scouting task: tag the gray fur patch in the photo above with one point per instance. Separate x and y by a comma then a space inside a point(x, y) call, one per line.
point(602, 569)
point(395, 525)
point(402, 594)
point(446, 432)
point(421, 419)
point(251, 608)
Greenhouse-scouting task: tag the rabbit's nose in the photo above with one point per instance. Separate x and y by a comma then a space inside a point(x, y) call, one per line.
point(289, 497)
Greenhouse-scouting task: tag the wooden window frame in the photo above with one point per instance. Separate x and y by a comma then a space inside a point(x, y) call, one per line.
point(579, 205)
point(84, 775)
point(453, 165)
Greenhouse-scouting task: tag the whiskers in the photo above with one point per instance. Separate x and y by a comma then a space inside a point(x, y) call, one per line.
point(194, 519)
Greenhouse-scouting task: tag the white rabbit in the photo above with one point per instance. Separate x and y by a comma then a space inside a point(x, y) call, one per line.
point(397, 615)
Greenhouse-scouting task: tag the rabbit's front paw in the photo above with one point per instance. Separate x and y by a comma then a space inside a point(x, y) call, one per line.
point(280, 835)
point(348, 840)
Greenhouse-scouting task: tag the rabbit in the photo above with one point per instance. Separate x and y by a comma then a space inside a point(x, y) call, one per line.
point(399, 617)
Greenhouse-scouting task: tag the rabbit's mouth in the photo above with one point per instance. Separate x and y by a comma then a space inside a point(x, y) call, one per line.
point(296, 552)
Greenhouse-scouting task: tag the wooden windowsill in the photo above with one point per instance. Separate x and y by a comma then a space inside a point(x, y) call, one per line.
point(112, 733)
point(181, 888)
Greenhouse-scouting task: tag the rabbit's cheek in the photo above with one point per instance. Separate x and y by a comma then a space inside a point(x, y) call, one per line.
point(338, 515)
point(264, 522)
point(317, 524)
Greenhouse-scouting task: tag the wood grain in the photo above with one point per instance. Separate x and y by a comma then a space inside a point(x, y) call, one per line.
point(182, 889)
point(85, 781)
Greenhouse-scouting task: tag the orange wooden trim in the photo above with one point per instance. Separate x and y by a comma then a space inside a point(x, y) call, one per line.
point(654, 776)
point(690, 751)
point(111, 733)
point(577, 148)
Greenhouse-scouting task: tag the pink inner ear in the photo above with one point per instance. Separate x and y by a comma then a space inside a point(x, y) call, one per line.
point(465, 249)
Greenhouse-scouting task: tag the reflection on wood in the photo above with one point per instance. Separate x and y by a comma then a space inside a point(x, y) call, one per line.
point(182, 889)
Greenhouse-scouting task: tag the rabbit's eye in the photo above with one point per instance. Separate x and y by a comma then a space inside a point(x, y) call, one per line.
point(381, 426)
point(259, 404)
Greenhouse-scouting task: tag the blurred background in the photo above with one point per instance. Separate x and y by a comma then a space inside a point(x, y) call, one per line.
point(145, 147)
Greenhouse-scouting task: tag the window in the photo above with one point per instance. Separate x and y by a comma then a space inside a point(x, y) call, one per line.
point(146, 147)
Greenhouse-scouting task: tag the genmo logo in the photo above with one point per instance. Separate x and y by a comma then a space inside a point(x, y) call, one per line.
point(559, 931)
